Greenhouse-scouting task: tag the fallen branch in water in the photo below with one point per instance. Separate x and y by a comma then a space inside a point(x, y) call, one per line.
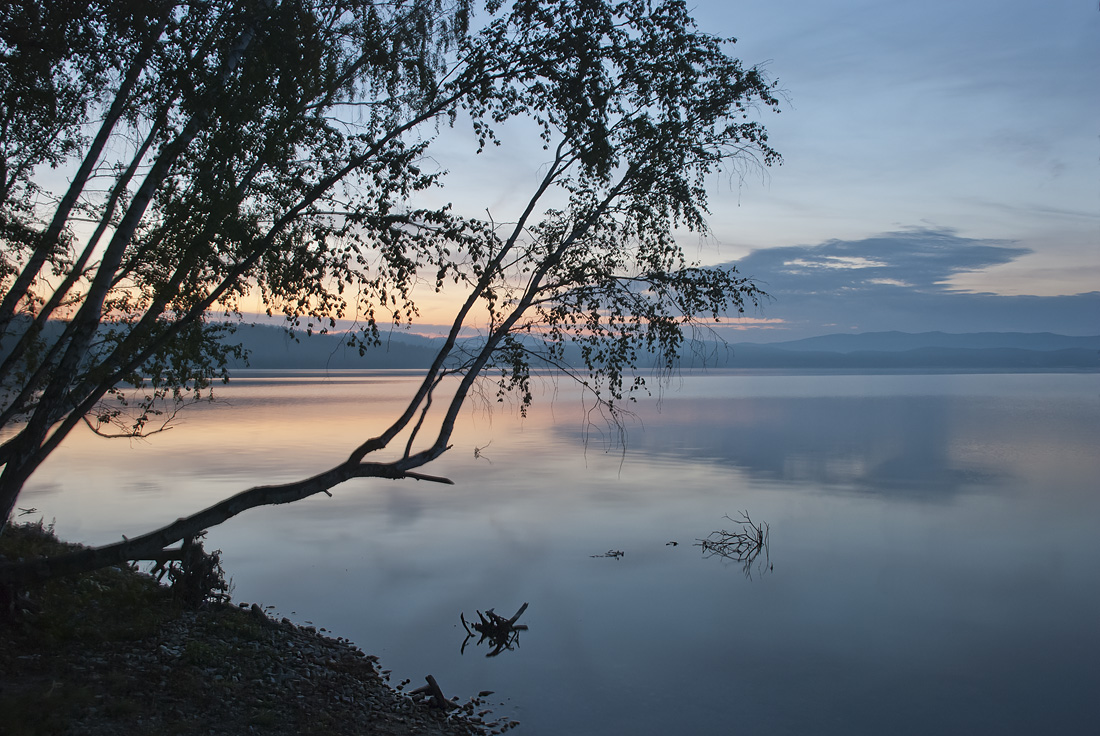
point(743, 546)
point(501, 633)
point(434, 693)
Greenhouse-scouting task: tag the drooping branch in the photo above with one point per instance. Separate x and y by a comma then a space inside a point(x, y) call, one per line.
point(490, 273)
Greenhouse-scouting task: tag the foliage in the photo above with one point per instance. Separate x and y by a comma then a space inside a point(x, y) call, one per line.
point(279, 148)
point(217, 148)
point(197, 578)
point(85, 608)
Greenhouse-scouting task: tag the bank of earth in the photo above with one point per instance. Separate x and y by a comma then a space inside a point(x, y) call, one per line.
point(115, 652)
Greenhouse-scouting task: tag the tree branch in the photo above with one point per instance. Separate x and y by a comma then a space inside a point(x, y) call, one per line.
point(152, 545)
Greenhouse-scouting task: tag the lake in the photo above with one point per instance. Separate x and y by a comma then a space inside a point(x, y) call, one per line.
point(932, 567)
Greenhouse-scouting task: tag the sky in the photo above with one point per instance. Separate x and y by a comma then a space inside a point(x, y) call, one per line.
point(941, 167)
point(942, 164)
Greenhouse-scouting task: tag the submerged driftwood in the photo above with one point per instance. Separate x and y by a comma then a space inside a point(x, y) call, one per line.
point(501, 633)
point(434, 694)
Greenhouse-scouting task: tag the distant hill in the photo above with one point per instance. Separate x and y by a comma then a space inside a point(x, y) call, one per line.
point(271, 347)
point(898, 341)
point(745, 355)
point(926, 350)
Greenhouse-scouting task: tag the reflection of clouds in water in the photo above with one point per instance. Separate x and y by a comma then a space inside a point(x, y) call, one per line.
point(402, 509)
point(40, 489)
point(890, 444)
point(143, 487)
point(877, 591)
point(910, 474)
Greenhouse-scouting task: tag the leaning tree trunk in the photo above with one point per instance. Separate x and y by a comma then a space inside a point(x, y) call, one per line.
point(153, 546)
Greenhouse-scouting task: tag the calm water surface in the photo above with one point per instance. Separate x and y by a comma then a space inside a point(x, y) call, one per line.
point(934, 550)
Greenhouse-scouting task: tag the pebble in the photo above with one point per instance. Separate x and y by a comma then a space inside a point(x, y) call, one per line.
point(287, 675)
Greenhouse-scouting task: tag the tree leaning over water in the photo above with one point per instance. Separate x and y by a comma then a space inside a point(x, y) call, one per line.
point(210, 150)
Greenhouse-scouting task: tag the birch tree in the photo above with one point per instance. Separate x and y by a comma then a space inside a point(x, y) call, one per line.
point(216, 149)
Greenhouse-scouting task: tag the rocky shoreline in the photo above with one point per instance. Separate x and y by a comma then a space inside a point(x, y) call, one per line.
point(115, 653)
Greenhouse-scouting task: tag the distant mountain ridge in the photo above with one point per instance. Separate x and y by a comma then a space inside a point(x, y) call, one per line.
point(747, 355)
point(272, 347)
point(899, 341)
point(1012, 351)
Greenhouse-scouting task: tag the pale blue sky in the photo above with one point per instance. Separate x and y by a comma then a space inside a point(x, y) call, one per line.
point(974, 121)
point(979, 116)
point(967, 122)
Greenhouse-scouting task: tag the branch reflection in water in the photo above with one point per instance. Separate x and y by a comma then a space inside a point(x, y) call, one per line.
point(744, 546)
point(501, 633)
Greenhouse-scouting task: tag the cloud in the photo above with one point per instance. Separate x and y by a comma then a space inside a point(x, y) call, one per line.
point(903, 281)
point(921, 259)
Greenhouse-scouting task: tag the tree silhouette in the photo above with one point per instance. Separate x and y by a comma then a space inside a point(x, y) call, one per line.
point(278, 147)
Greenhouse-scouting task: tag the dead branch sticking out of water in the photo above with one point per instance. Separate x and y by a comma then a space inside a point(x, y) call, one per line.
point(501, 633)
point(744, 546)
point(434, 694)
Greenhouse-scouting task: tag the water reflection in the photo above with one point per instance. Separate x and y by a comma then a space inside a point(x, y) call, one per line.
point(975, 613)
point(889, 445)
point(499, 633)
point(745, 544)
